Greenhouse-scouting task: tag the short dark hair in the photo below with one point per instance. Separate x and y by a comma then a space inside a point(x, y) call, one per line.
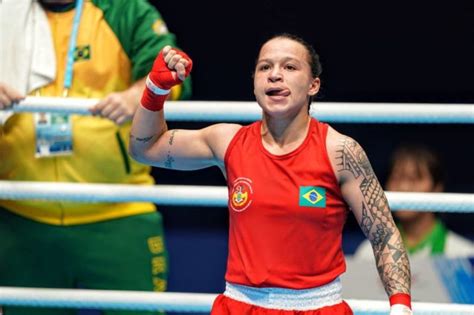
point(423, 156)
point(313, 57)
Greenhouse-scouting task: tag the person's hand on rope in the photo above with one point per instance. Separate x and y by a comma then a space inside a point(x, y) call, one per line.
point(8, 96)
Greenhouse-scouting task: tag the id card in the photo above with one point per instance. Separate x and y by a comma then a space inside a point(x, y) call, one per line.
point(53, 134)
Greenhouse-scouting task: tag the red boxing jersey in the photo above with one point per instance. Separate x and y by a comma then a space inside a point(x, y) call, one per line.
point(286, 212)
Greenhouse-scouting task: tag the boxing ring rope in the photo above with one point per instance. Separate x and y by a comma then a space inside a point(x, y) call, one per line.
point(250, 111)
point(217, 197)
point(214, 196)
point(170, 301)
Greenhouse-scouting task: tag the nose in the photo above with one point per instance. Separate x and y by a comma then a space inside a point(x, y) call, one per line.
point(275, 75)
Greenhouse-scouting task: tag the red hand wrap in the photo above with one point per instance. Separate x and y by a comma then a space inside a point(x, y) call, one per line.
point(152, 101)
point(162, 76)
point(401, 298)
point(160, 80)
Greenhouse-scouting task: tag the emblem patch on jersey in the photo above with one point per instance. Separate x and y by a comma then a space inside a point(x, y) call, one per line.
point(159, 27)
point(241, 194)
point(312, 196)
point(82, 53)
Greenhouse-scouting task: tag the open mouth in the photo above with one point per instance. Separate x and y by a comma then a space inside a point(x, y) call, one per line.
point(277, 92)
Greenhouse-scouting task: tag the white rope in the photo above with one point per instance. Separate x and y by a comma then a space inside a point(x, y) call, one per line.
point(214, 196)
point(101, 299)
point(167, 301)
point(213, 111)
point(436, 202)
point(179, 195)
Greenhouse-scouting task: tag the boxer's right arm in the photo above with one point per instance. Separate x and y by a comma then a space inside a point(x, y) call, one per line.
point(150, 140)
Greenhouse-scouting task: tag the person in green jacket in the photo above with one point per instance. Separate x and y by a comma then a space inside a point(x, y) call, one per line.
point(117, 246)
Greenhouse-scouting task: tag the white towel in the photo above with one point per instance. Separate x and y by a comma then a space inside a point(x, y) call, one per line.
point(27, 58)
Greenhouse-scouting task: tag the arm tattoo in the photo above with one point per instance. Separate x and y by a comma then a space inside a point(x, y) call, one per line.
point(144, 139)
point(376, 222)
point(170, 141)
point(169, 158)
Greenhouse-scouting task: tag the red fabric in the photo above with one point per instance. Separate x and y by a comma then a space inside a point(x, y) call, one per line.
point(162, 76)
point(401, 298)
point(151, 101)
point(224, 305)
point(273, 241)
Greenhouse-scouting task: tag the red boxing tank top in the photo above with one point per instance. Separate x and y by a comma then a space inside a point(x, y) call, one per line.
point(286, 212)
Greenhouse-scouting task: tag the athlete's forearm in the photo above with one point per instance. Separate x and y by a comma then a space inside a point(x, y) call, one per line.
point(392, 262)
point(147, 127)
point(169, 69)
point(367, 199)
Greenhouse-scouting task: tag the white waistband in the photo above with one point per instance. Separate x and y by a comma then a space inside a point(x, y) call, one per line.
point(287, 299)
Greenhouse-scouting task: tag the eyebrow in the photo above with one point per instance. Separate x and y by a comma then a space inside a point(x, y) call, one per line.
point(285, 59)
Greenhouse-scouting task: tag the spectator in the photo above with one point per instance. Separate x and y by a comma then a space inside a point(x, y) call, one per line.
point(88, 245)
point(416, 168)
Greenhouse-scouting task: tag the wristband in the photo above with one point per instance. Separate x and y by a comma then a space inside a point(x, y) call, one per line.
point(155, 88)
point(399, 309)
point(153, 97)
point(401, 298)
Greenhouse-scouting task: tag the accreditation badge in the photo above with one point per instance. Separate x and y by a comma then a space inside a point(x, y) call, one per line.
point(53, 134)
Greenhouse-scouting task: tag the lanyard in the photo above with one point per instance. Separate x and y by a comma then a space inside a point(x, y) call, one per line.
point(72, 46)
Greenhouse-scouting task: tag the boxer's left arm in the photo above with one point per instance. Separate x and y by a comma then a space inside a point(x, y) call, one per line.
point(365, 197)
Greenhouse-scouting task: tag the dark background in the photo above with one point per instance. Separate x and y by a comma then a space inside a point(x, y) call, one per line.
point(371, 51)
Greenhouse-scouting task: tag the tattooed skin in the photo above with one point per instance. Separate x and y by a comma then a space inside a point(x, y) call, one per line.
point(376, 222)
point(170, 141)
point(169, 158)
point(144, 139)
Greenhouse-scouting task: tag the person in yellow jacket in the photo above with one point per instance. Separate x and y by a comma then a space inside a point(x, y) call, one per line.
point(103, 49)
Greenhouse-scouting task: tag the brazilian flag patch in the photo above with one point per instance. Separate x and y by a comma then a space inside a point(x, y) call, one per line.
point(312, 196)
point(82, 53)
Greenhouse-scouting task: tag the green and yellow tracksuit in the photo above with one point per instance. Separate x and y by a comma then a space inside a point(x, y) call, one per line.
point(116, 45)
